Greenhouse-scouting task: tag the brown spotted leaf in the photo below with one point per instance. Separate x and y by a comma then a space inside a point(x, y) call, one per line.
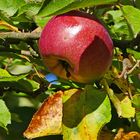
point(48, 119)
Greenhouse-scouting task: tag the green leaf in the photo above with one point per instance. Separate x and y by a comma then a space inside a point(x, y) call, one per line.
point(5, 116)
point(50, 8)
point(22, 85)
point(6, 77)
point(134, 79)
point(26, 85)
point(17, 82)
point(12, 78)
point(85, 113)
point(29, 8)
point(124, 107)
point(4, 73)
point(5, 17)
point(117, 24)
point(132, 15)
point(42, 21)
point(27, 11)
point(61, 6)
point(126, 2)
point(19, 69)
point(136, 54)
point(11, 6)
point(138, 119)
point(136, 101)
point(136, 104)
point(137, 3)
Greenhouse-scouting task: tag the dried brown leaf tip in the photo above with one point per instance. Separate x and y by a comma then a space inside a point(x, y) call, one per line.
point(48, 119)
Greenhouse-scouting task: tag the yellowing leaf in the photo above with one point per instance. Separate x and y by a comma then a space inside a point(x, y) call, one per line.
point(48, 119)
point(127, 110)
point(8, 26)
point(85, 112)
point(124, 107)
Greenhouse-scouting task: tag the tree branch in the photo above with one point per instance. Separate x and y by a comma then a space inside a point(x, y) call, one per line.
point(16, 37)
point(20, 35)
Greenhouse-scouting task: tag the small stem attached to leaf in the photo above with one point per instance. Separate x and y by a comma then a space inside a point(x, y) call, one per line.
point(113, 98)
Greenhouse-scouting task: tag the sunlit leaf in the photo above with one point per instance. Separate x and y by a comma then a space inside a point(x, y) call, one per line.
point(85, 113)
point(27, 11)
point(127, 110)
point(48, 119)
point(120, 103)
point(55, 7)
point(61, 6)
point(133, 18)
point(10, 6)
point(4, 73)
point(116, 102)
point(42, 21)
point(19, 69)
point(6, 77)
point(5, 116)
point(30, 9)
point(11, 78)
point(117, 24)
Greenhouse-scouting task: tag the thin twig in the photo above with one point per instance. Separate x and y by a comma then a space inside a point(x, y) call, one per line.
point(19, 35)
point(116, 102)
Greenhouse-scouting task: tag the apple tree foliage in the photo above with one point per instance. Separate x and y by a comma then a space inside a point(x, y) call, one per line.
point(80, 111)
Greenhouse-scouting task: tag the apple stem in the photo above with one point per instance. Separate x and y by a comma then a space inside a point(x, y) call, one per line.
point(66, 66)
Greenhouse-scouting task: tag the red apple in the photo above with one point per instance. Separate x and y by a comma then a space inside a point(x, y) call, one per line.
point(76, 46)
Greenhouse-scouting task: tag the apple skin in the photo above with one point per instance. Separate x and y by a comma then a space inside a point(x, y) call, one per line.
point(76, 46)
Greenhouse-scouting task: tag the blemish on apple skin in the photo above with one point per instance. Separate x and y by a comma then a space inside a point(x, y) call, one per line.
point(65, 38)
